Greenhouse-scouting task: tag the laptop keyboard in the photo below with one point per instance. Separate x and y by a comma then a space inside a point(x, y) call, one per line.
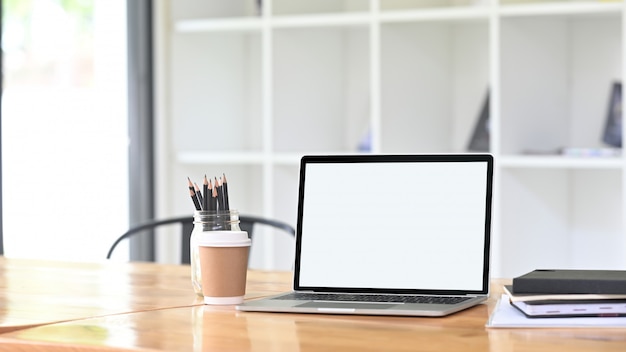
point(304, 296)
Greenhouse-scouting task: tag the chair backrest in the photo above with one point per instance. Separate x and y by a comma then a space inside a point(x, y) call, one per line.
point(246, 223)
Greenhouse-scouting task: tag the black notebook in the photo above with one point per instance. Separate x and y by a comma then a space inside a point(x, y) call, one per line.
point(571, 281)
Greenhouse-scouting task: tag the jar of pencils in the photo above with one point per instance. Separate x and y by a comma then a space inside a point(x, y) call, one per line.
point(208, 220)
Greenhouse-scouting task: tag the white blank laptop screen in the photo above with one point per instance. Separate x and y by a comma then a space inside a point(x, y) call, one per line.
point(404, 225)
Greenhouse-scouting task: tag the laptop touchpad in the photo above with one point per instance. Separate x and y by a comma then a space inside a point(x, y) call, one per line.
point(346, 305)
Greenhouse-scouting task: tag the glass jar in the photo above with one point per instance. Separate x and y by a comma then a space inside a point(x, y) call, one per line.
point(208, 220)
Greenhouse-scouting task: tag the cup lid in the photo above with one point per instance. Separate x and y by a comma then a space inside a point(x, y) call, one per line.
point(223, 239)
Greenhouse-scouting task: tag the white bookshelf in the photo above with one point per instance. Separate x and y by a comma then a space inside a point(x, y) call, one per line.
point(247, 91)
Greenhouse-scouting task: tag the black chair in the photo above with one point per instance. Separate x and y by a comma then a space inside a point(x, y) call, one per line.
point(246, 223)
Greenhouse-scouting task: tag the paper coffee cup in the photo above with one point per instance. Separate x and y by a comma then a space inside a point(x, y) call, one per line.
point(223, 265)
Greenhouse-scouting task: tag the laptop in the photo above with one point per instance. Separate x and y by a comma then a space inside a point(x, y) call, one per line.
point(402, 235)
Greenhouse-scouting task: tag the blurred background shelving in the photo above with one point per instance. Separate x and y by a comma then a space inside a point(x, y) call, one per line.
point(251, 86)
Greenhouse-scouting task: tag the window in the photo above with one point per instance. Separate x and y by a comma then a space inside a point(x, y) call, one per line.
point(64, 128)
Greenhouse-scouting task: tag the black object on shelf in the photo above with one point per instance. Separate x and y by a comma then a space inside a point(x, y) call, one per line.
point(613, 128)
point(480, 136)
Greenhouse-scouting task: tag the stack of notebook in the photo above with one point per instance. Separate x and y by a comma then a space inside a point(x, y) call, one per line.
point(569, 293)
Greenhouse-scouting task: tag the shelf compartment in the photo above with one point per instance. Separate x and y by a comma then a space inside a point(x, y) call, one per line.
point(321, 89)
point(557, 74)
point(555, 218)
point(434, 79)
point(285, 205)
point(274, 249)
point(216, 92)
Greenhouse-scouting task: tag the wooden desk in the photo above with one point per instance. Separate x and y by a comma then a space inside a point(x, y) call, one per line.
point(158, 325)
point(36, 292)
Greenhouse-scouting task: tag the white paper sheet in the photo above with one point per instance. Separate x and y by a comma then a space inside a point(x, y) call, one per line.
point(506, 316)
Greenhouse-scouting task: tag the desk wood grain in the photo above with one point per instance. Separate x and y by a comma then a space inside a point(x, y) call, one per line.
point(206, 328)
point(35, 292)
point(156, 325)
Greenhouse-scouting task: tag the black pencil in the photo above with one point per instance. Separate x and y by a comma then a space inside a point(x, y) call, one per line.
point(195, 200)
point(214, 198)
point(192, 193)
point(190, 185)
point(225, 191)
point(220, 194)
point(198, 195)
point(207, 196)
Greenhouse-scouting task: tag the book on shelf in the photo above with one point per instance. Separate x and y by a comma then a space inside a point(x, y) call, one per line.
point(612, 134)
point(561, 281)
point(567, 305)
point(479, 140)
